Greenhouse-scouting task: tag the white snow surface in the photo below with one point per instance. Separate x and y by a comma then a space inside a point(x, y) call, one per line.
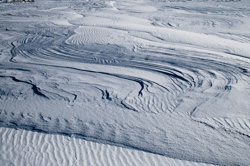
point(166, 78)
point(48, 149)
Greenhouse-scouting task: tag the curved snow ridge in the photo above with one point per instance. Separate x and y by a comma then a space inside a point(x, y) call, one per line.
point(162, 34)
point(149, 91)
point(177, 74)
point(139, 79)
point(27, 148)
point(140, 92)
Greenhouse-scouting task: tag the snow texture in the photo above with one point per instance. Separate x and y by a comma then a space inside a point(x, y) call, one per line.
point(168, 77)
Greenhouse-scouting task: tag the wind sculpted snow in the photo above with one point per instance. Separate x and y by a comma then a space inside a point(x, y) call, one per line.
point(48, 149)
point(170, 78)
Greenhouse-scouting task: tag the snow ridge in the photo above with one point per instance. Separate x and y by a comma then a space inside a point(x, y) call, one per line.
point(167, 78)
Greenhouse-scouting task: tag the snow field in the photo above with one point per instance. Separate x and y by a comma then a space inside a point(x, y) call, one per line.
point(167, 77)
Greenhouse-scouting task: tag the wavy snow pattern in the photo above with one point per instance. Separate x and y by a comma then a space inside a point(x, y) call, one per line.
point(176, 86)
point(47, 149)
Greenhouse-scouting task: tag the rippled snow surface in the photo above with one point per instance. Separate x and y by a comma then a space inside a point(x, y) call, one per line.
point(170, 77)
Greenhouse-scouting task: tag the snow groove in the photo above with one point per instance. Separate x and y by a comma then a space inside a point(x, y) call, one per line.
point(234, 125)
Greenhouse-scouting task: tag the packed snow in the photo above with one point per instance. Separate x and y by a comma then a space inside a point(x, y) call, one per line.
point(164, 79)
